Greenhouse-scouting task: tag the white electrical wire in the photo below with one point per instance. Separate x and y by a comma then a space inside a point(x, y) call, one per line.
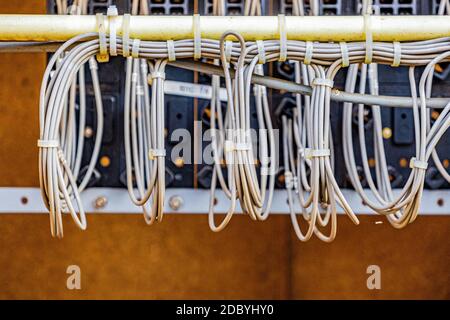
point(307, 137)
point(61, 143)
point(232, 141)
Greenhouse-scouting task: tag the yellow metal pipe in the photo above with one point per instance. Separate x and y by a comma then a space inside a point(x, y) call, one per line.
point(318, 28)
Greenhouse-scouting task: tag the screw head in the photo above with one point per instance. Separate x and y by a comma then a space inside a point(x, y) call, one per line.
point(88, 132)
point(100, 202)
point(175, 202)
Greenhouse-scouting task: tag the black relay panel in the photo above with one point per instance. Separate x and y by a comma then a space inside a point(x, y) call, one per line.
point(182, 112)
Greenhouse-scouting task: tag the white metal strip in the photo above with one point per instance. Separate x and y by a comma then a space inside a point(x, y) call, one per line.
point(186, 89)
point(183, 201)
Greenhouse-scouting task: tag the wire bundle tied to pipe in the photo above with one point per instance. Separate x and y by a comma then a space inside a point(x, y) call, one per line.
point(307, 137)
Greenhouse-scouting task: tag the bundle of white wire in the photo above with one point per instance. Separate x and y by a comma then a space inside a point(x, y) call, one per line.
point(307, 137)
point(61, 142)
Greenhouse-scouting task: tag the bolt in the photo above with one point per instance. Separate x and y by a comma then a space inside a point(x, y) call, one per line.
point(100, 202)
point(387, 133)
point(175, 202)
point(105, 161)
point(88, 132)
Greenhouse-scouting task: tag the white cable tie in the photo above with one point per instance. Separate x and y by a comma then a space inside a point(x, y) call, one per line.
point(230, 146)
point(344, 53)
point(295, 180)
point(158, 74)
point(154, 153)
point(171, 50)
point(48, 143)
point(369, 38)
point(102, 56)
point(322, 82)
point(228, 50)
point(112, 15)
point(93, 64)
point(315, 153)
point(283, 37)
point(139, 90)
point(61, 158)
point(197, 36)
point(126, 35)
point(301, 152)
point(135, 49)
point(261, 52)
point(419, 164)
point(134, 77)
point(242, 146)
point(288, 180)
point(309, 50)
point(397, 54)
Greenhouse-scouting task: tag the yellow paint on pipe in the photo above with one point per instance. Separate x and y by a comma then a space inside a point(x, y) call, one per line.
point(317, 28)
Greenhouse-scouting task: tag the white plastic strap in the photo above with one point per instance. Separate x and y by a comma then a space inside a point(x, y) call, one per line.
point(126, 35)
point(101, 28)
point(419, 164)
point(241, 146)
point(344, 53)
point(322, 82)
point(48, 143)
point(309, 50)
point(135, 49)
point(397, 54)
point(93, 64)
point(112, 16)
point(134, 77)
point(158, 74)
point(154, 153)
point(228, 50)
point(315, 153)
point(139, 90)
point(230, 146)
point(369, 38)
point(197, 36)
point(283, 37)
point(171, 50)
point(261, 52)
point(288, 180)
point(61, 157)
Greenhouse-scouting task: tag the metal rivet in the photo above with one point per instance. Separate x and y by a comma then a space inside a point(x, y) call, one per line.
point(88, 132)
point(175, 202)
point(105, 161)
point(403, 163)
point(100, 202)
point(387, 133)
point(179, 162)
